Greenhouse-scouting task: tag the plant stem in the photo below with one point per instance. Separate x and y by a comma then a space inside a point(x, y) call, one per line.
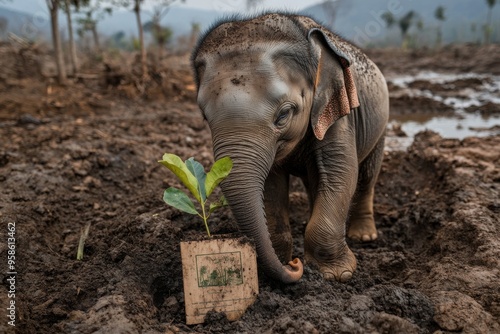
point(81, 245)
point(205, 218)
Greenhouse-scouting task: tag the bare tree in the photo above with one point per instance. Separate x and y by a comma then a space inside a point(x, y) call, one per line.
point(53, 6)
point(4, 23)
point(89, 23)
point(137, 11)
point(488, 28)
point(136, 8)
point(161, 34)
point(72, 46)
point(92, 15)
point(389, 19)
point(404, 24)
point(439, 15)
point(195, 32)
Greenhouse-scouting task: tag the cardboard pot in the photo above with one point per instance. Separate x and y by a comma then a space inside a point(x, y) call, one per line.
point(219, 274)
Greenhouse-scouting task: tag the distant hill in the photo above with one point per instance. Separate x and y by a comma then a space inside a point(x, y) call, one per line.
point(360, 20)
point(357, 20)
point(34, 22)
point(179, 19)
point(25, 24)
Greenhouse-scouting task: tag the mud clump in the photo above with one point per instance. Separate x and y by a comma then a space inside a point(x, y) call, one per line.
point(453, 86)
point(404, 105)
point(486, 109)
point(461, 58)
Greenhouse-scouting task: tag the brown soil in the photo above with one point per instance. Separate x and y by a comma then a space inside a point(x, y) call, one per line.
point(454, 86)
point(405, 104)
point(450, 58)
point(87, 152)
point(486, 109)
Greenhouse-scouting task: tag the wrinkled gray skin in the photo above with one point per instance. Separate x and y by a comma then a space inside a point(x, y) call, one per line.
point(263, 84)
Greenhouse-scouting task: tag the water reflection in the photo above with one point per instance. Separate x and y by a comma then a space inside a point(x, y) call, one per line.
point(462, 92)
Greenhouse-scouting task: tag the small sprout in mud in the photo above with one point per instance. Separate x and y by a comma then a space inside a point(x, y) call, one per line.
point(81, 245)
point(192, 174)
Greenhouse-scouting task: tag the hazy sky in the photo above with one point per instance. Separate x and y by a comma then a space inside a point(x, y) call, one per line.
point(218, 5)
point(240, 5)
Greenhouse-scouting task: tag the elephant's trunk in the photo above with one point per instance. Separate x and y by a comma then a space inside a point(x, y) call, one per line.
point(244, 190)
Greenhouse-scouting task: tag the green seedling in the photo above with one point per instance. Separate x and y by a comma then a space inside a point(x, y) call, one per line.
point(200, 184)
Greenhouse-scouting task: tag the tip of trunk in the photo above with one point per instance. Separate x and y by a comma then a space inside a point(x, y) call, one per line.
point(293, 271)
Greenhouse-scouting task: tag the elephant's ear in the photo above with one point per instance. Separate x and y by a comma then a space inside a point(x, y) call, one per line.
point(334, 90)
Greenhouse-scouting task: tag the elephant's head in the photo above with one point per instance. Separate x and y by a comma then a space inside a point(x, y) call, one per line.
point(261, 83)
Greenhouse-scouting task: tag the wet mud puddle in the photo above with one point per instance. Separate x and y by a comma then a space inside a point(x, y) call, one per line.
point(453, 105)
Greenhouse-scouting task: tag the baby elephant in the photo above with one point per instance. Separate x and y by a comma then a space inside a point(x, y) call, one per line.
point(284, 96)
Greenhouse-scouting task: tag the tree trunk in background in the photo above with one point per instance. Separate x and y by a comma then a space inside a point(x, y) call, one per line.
point(56, 40)
point(488, 28)
point(157, 29)
point(97, 45)
point(137, 10)
point(195, 32)
point(161, 45)
point(439, 38)
point(72, 47)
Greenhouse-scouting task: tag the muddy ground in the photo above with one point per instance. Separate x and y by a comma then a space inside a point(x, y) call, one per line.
point(87, 152)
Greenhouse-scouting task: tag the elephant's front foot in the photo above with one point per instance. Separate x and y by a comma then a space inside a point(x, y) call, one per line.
point(362, 228)
point(339, 266)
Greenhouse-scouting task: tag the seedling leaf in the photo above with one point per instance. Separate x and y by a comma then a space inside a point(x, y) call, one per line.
point(216, 205)
point(220, 170)
point(179, 200)
point(199, 172)
point(201, 185)
point(179, 168)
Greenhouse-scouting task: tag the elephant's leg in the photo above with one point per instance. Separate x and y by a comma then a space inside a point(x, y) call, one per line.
point(276, 206)
point(325, 244)
point(361, 222)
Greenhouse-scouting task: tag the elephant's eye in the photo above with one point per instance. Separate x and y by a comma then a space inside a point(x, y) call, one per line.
point(284, 114)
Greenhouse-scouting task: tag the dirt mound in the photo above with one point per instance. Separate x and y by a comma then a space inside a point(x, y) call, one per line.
point(405, 104)
point(454, 85)
point(486, 109)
